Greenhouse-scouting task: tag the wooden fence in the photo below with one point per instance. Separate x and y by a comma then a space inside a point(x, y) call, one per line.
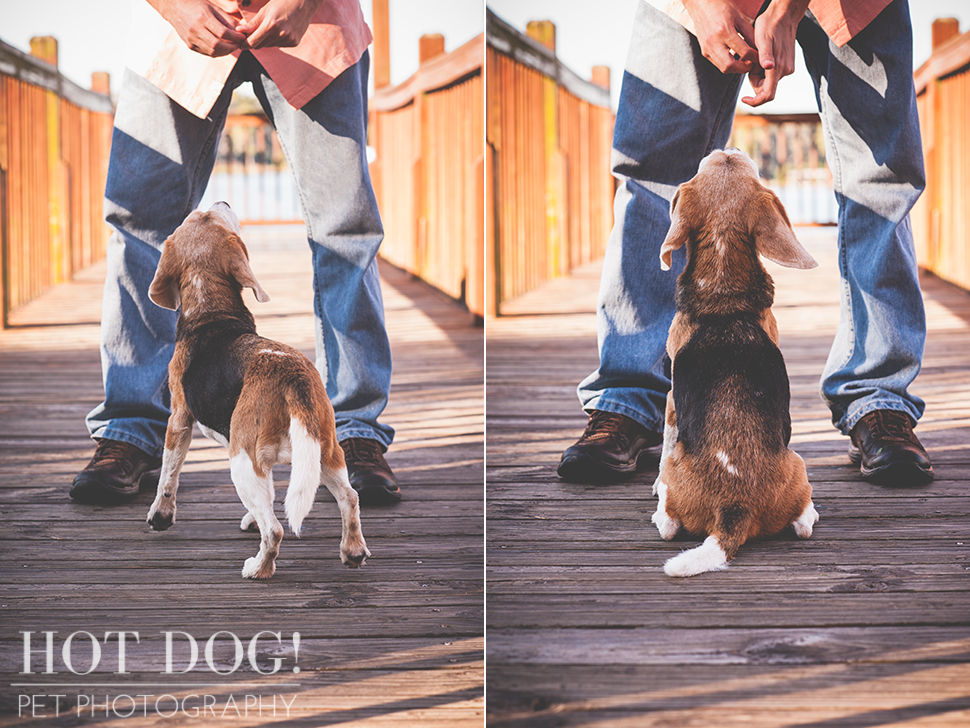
point(941, 218)
point(54, 142)
point(549, 191)
point(429, 170)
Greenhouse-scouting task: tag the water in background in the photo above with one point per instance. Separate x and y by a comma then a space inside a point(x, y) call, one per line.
point(263, 196)
point(270, 196)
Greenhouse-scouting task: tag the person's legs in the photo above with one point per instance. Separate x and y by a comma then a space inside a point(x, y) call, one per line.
point(325, 143)
point(868, 109)
point(675, 108)
point(161, 158)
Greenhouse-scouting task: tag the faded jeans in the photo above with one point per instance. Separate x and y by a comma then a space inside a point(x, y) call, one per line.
point(675, 108)
point(161, 160)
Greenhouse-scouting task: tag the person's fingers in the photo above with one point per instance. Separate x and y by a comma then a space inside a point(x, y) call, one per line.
point(764, 83)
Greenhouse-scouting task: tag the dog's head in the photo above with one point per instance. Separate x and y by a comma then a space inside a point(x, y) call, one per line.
point(726, 201)
point(205, 249)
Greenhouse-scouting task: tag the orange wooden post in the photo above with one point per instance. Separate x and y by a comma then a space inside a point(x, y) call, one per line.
point(601, 76)
point(382, 44)
point(544, 31)
point(45, 48)
point(430, 45)
point(101, 82)
point(943, 30)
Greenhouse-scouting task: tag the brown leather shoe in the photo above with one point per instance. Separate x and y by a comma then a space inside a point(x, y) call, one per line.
point(887, 450)
point(114, 474)
point(369, 473)
point(610, 449)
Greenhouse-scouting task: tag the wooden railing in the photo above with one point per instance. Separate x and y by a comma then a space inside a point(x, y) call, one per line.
point(549, 191)
point(428, 135)
point(941, 217)
point(54, 142)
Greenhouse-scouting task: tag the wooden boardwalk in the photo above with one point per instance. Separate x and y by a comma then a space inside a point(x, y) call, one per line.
point(399, 642)
point(866, 624)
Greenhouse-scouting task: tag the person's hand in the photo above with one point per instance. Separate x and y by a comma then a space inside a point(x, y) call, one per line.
point(279, 23)
point(774, 35)
point(202, 26)
point(726, 37)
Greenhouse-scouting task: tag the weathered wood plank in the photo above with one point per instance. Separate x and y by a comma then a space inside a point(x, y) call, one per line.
point(867, 623)
point(399, 642)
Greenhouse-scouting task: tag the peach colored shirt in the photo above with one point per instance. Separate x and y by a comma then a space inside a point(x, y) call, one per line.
point(841, 20)
point(335, 40)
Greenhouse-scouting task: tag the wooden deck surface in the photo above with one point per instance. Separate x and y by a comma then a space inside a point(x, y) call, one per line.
point(866, 624)
point(399, 642)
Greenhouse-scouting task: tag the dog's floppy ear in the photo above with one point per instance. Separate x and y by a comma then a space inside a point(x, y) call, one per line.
point(773, 236)
point(165, 288)
point(240, 270)
point(679, 231)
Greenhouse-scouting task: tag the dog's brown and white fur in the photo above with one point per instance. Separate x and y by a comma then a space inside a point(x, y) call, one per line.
point(263, 400)
point(726, 469)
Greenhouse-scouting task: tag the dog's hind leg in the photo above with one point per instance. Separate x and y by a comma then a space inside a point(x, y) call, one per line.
point(248, 523)
point(256, 493)
point(802, 491)
point(804, 523)
point(353, 548)
point(178, 437)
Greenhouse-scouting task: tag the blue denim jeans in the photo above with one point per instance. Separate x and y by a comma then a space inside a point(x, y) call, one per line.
point(675, 107)
point(161, 160)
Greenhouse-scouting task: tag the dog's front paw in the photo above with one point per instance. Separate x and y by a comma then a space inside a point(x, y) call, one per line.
point(803, 524)
point(160, 519)
point(255, 568)
point(354, 555)
point(667, 526)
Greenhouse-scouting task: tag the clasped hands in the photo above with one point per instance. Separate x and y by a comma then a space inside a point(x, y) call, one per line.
point(207, 28)
point(763, 48)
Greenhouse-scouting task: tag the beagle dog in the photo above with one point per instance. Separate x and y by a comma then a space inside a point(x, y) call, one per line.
point(263, 400)
point(726, 469)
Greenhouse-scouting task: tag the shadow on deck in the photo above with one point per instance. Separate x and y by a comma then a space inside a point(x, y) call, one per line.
point(399, 641)
point(866, 624)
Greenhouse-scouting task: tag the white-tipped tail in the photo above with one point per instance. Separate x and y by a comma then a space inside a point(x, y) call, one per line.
point(304, 475)
point(709, 556)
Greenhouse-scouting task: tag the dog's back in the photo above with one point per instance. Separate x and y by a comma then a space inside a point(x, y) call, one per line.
point(732, 388)
point(263, 400)
point(727, 470)
point(732, 467)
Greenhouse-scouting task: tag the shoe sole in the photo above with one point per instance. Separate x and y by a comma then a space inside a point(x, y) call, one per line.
point(594, 472)
point(91, 491)
point(378, 495)
point(893, 474)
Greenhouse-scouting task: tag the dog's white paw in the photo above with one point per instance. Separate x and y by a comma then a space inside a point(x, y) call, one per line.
point(803, 524)
point(667, 526)
point(354, 555)
point(248, 523)
point(161, 517)
point(255, 568)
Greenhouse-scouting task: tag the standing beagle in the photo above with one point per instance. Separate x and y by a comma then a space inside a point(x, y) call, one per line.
point(726, 469)
point(263, 400)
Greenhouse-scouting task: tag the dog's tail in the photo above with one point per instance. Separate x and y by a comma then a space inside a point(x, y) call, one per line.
point(304, 475)
point(730, 531)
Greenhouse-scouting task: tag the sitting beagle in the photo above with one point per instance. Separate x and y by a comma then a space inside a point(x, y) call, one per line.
point(263, 400)
point(726, 469)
